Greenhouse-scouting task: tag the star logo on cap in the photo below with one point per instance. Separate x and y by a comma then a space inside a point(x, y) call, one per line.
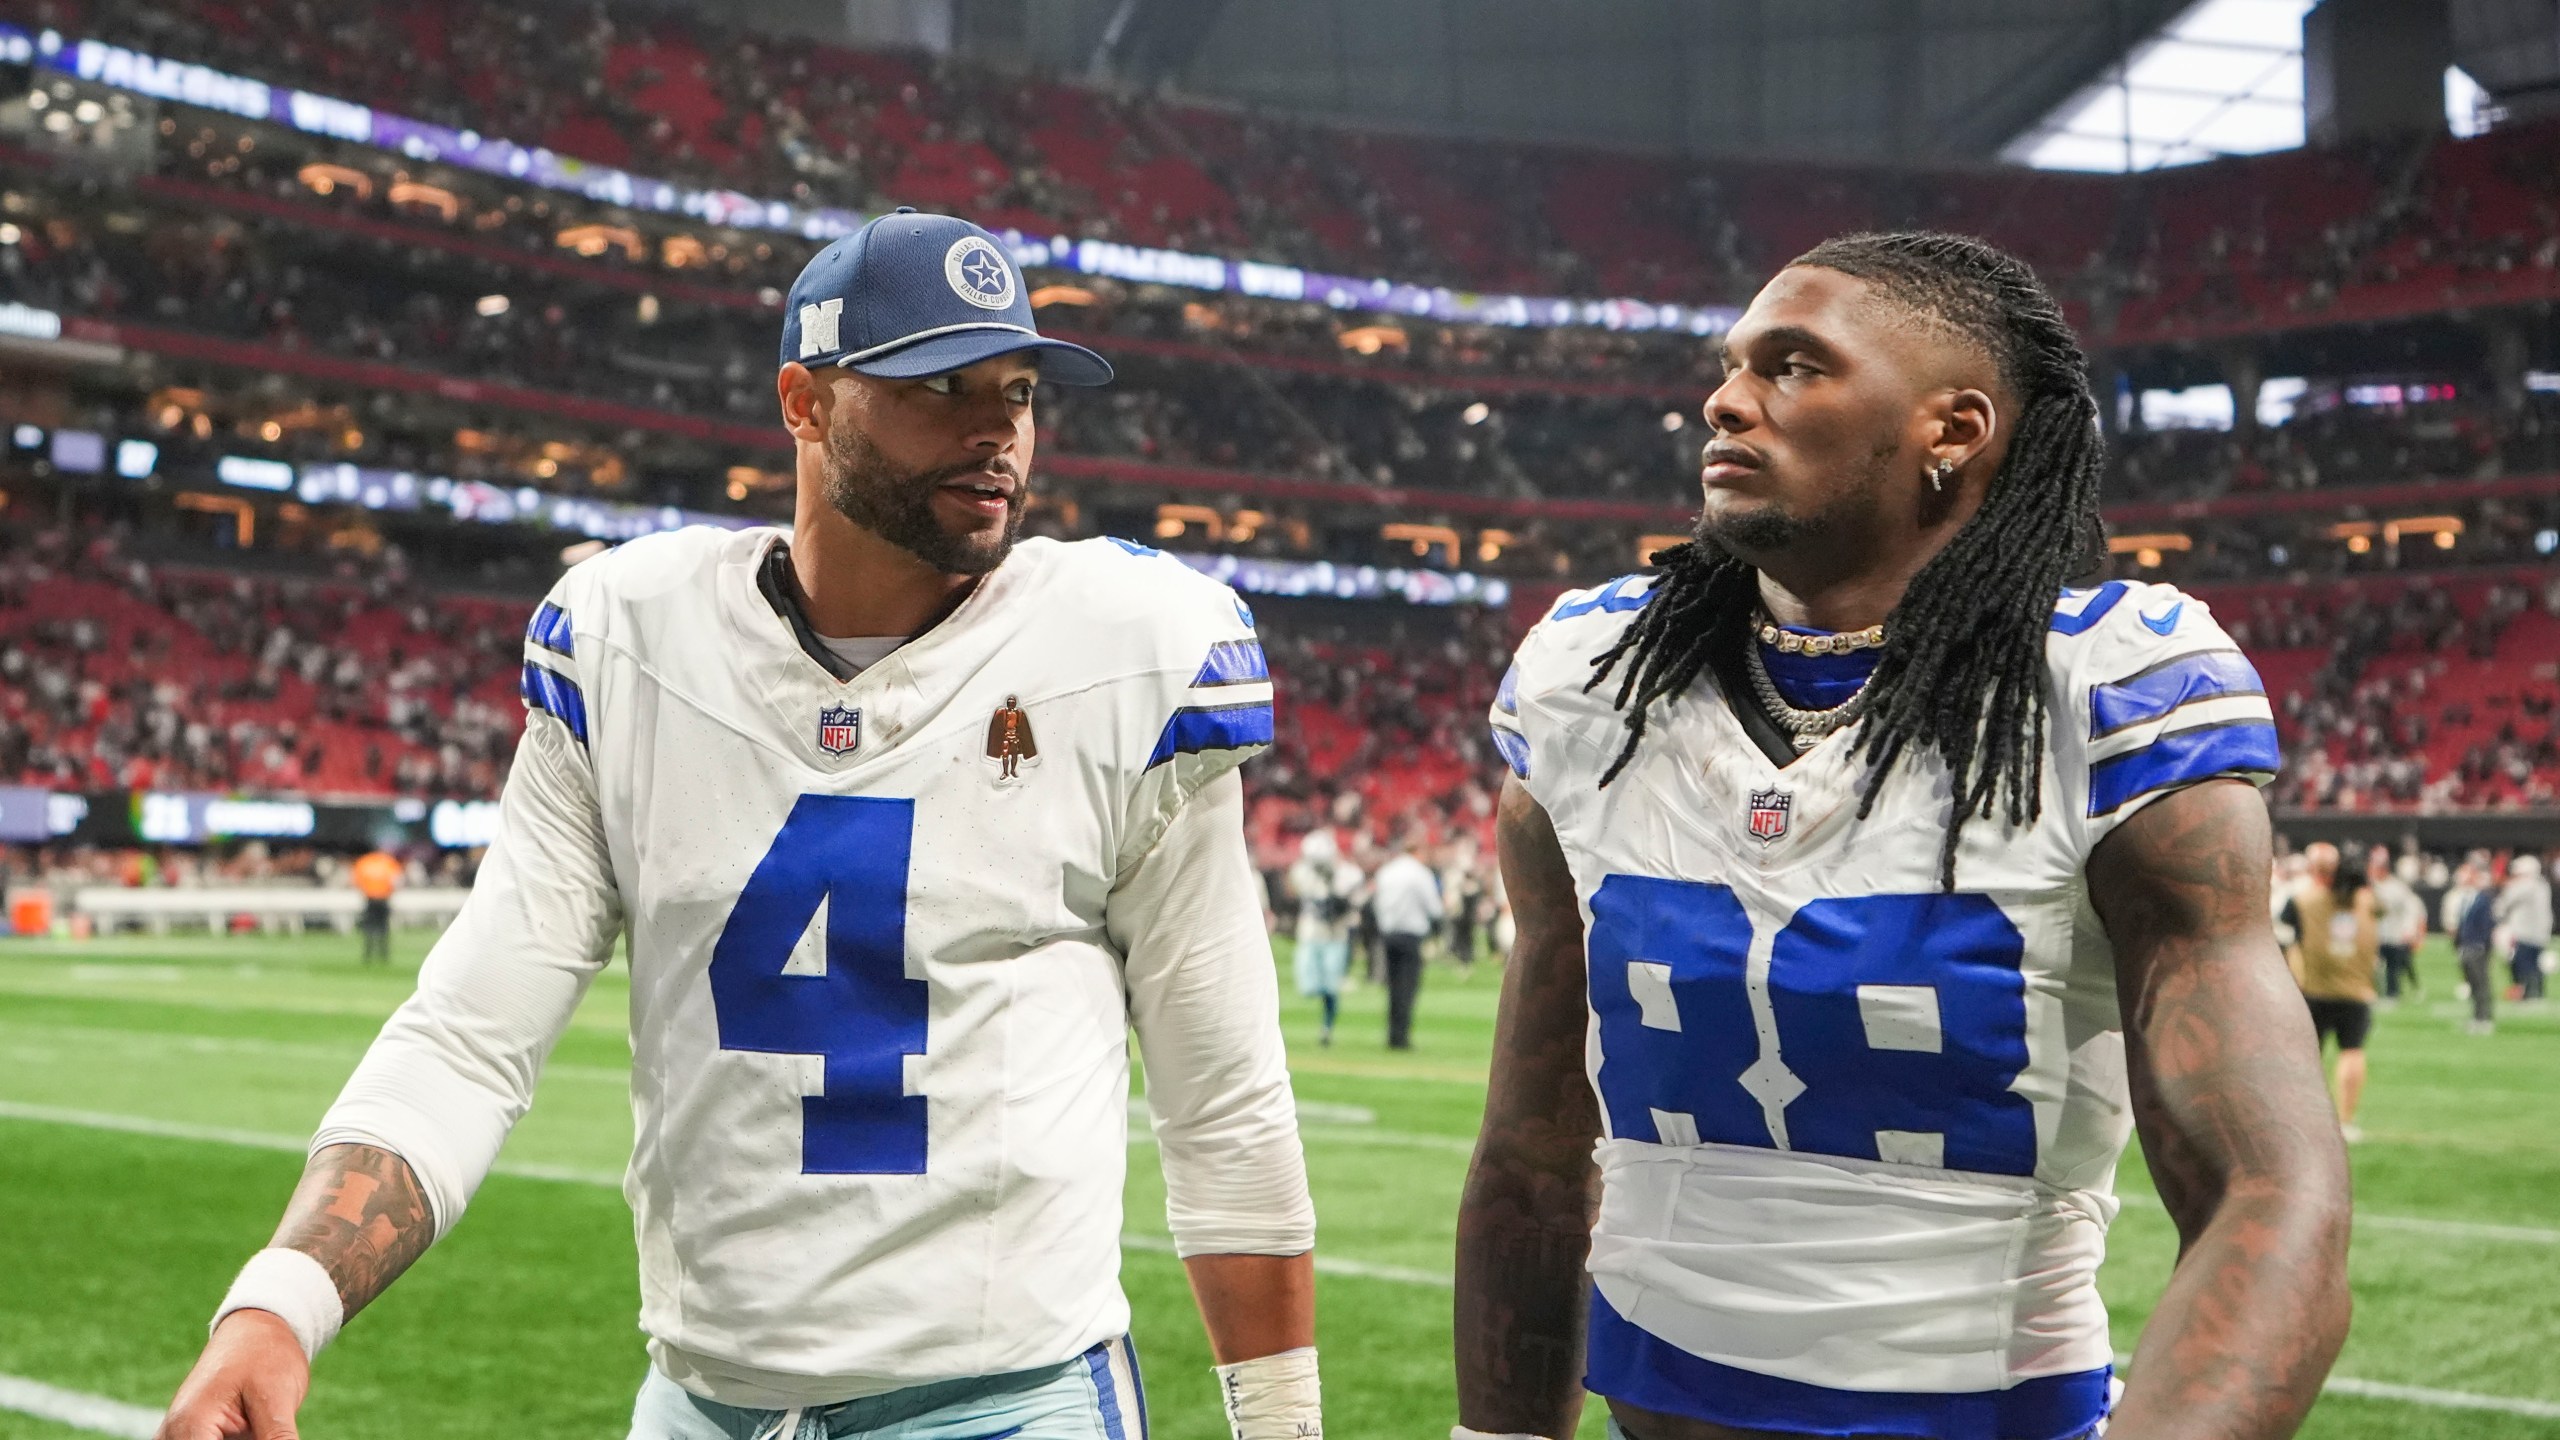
point(978, 274)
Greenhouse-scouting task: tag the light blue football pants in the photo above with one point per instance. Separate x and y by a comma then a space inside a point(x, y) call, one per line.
point(1096, 1396)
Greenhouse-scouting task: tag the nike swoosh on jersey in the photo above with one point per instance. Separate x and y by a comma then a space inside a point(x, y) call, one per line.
point(2166, 623)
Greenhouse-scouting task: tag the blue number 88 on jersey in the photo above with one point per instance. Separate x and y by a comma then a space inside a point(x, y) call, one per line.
point(1877, 1027)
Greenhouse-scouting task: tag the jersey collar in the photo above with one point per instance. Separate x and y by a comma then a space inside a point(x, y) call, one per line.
point(774, 583)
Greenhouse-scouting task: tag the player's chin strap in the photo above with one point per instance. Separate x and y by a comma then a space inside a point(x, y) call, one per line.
point(1274, 1397)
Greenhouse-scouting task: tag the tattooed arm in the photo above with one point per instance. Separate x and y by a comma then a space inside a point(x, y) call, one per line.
point(1524, 1225)
point(2234, 1119)
point(420, 1121)
point(360, 1213)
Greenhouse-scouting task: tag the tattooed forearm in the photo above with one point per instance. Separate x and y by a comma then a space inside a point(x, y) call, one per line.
point(2235, 1123)
point(1524, 1224)
point(1523, 1234)
point(360, 1213)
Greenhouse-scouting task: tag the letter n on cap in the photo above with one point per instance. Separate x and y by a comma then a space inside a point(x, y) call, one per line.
point(818, 326)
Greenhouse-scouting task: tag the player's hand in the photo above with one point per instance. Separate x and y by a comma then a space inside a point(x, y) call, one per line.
point(246, 1385)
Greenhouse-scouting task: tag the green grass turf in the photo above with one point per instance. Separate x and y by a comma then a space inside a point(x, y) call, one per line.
point(114, 1246)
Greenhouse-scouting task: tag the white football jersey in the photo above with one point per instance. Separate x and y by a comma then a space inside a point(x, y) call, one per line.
point(882, 969)
point(1860, 1134)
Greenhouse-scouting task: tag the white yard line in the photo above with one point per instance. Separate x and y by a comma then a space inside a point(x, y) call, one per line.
point(183, 1130)
point(94, 1413)
point(2427, 1395)
point(167, 1041)
point(2409, 1224)
point(2440, 1399)
point(110, 1417)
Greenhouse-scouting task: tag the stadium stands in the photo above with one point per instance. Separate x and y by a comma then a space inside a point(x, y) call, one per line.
point(2394, 693)
point(2275, 242)
point(312, 301)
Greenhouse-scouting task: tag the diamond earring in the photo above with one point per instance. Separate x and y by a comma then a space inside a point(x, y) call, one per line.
point(1939, 476)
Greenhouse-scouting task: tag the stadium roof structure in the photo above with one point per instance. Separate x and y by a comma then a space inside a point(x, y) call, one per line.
point(1894, 81)
point(2081, 84)
point(2225, 78)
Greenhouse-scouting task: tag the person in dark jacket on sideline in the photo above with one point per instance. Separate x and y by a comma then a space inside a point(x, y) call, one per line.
point(2471, 938)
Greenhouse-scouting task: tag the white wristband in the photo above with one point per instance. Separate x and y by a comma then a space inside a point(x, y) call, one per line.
point(1461, 1432)
point(1273, 1398)
point(294, 1288)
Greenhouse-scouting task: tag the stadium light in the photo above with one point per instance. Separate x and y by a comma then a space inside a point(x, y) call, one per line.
point(1476, 414)
point(1423, 538)
point(493, 305)
point(322, 178)
point(1370, 339)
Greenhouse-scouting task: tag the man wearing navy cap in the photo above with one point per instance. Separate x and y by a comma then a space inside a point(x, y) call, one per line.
point(907, 826)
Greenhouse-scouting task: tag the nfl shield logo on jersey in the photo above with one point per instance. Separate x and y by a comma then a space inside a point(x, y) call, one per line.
point(839, 730)
point(1769, 811)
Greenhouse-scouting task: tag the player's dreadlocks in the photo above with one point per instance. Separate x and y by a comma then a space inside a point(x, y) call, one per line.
point(1963, 664)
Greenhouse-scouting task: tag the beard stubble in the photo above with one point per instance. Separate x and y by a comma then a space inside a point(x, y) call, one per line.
point(897, 505)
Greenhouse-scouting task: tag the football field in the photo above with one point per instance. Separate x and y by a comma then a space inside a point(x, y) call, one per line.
point(155, 1093)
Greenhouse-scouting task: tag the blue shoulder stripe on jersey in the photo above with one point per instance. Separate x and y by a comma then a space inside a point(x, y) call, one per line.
point(2094, 605)
point(2183, 757)
point(1222, 727)
point(1233, 662)
point(2173, 684)
point(1515, 750)
point(1132, 546)
point(1506, 697)
point(549, 628)
point(1611, 599)
point(1626, 1363)
point(556, 695)
point(1106, 1391)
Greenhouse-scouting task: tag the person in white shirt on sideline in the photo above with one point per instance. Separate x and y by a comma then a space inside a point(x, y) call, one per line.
point(2403, 921)
point(1327, 889)
point(2524, 912)
point(1409, 908)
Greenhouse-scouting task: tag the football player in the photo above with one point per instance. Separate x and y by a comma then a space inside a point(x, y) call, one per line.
point(907, 825)
point(1871, 884)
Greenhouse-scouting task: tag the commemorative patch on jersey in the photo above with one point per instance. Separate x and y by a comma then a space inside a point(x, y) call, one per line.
point(1771, 809)
point(1009, 741)
point(839, 730)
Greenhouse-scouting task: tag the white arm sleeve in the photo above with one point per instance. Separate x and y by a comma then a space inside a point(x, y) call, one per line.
point(1206, 1003)
point(455, 1066)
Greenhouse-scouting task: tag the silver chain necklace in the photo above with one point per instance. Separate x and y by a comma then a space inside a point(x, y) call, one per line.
point(1805, 728)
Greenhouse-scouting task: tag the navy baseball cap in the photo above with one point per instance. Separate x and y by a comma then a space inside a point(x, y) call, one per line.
point(911, 295)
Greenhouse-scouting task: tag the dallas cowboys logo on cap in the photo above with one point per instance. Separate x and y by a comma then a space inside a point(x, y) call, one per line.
point(911, 295)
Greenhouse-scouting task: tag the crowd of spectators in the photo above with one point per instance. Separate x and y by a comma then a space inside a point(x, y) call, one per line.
point(116, 674)
point(2260, 241)
point(2429, 696)
point(245, 864)
point(309, 289)
point(2336, 445)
